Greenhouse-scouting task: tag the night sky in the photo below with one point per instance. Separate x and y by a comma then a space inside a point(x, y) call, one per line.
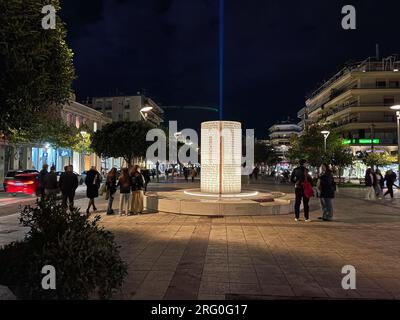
point(276, 52)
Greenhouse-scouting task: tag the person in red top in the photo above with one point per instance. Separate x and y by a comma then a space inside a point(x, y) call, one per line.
point(298, 178)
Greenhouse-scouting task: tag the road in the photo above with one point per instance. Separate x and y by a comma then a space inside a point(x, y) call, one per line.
point(10, 204)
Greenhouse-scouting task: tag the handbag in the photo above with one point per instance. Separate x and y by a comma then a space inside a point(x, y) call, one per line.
point(308, 190)
point(103, 189)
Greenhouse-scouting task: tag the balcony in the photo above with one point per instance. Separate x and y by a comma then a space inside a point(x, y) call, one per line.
point(388, 64)
point(355, 123)
point(337, 111)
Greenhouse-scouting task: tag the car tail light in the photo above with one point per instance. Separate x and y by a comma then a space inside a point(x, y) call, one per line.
point(29, 182)
point(10, 182)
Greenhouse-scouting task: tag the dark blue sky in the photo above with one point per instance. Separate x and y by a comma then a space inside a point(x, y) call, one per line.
point(276, 52)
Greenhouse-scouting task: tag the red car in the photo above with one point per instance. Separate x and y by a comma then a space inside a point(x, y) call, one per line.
point(22, 183)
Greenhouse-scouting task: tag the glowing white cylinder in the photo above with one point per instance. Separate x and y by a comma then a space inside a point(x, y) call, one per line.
point(221, 156)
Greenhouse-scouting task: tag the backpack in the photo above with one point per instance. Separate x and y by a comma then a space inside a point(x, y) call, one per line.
point(308, 190)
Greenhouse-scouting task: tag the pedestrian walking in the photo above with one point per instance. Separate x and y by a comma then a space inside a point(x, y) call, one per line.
point(42, 177)
point(51, 183)
point(256, 171)
point(390, 178)
point(370, 182)
point(303, 190)
point(193, 174)
point(92, 181)
point(111, 186)
point(186, 174)
point(326, 187)
point(124, 184)
point(137, 185)
point(146, 176)
point(68, 184)
point(380, 182)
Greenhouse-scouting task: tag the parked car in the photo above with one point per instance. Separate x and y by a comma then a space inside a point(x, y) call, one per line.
point(10, 176)
point(22, 183)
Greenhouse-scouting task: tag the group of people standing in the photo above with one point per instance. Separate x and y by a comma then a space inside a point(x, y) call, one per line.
point(51, 186)
point(304, 190)
point(375, 183)
point(131, 184)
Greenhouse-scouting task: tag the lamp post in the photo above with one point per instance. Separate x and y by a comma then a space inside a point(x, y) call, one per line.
point(83, 134)
point(397, 109)
point(144, 111)
point(326, 135)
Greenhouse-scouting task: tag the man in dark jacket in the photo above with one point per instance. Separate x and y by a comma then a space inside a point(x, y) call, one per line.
point(327, 188)
point(51, 183)
point(42, 177)
point(370, 183)
point(390, 178)
point(298, 177)
point(68, 185)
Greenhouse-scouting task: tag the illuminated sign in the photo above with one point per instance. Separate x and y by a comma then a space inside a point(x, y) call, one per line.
point(368, 141)
point(361, 141)
point(221, 156)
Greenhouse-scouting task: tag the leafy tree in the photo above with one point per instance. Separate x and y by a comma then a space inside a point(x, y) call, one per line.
point(374, 159)
point(122, 139)
point(49, 128)
point(310, 146)
point(36, 67)
point(265, 153)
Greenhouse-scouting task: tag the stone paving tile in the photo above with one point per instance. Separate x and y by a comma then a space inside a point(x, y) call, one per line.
point(264, 257)
point(276, 290)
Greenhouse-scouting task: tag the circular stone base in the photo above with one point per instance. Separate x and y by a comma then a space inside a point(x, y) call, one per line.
point(193, 202)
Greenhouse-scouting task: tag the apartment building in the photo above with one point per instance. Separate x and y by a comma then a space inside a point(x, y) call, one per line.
point(129, 108)
point(280, 135)
point(356, 101)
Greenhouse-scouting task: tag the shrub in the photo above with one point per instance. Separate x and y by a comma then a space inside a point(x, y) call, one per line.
point(85, 256)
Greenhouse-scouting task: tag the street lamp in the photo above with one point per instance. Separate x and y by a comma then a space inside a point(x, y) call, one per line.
point(144, 111)
point(326, 135)
point(397, 109)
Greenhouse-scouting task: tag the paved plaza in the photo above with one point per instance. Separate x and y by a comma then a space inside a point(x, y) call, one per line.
point(256, 257)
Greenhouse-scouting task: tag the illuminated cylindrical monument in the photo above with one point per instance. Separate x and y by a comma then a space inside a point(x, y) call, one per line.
point(221, 156)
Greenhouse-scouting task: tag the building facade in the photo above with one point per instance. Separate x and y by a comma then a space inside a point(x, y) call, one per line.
point(129, 108)
point(356, 102)
point(280, 135)
point(33, 156)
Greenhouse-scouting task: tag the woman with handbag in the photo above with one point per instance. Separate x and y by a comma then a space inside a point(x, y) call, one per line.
point(303, 190)
point(92, 181)
point(137, 185)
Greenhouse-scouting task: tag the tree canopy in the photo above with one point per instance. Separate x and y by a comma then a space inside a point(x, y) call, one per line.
point(265, 153)
point(124, 139)
point(36, 68)
point(375, 159)
point(310, 146)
